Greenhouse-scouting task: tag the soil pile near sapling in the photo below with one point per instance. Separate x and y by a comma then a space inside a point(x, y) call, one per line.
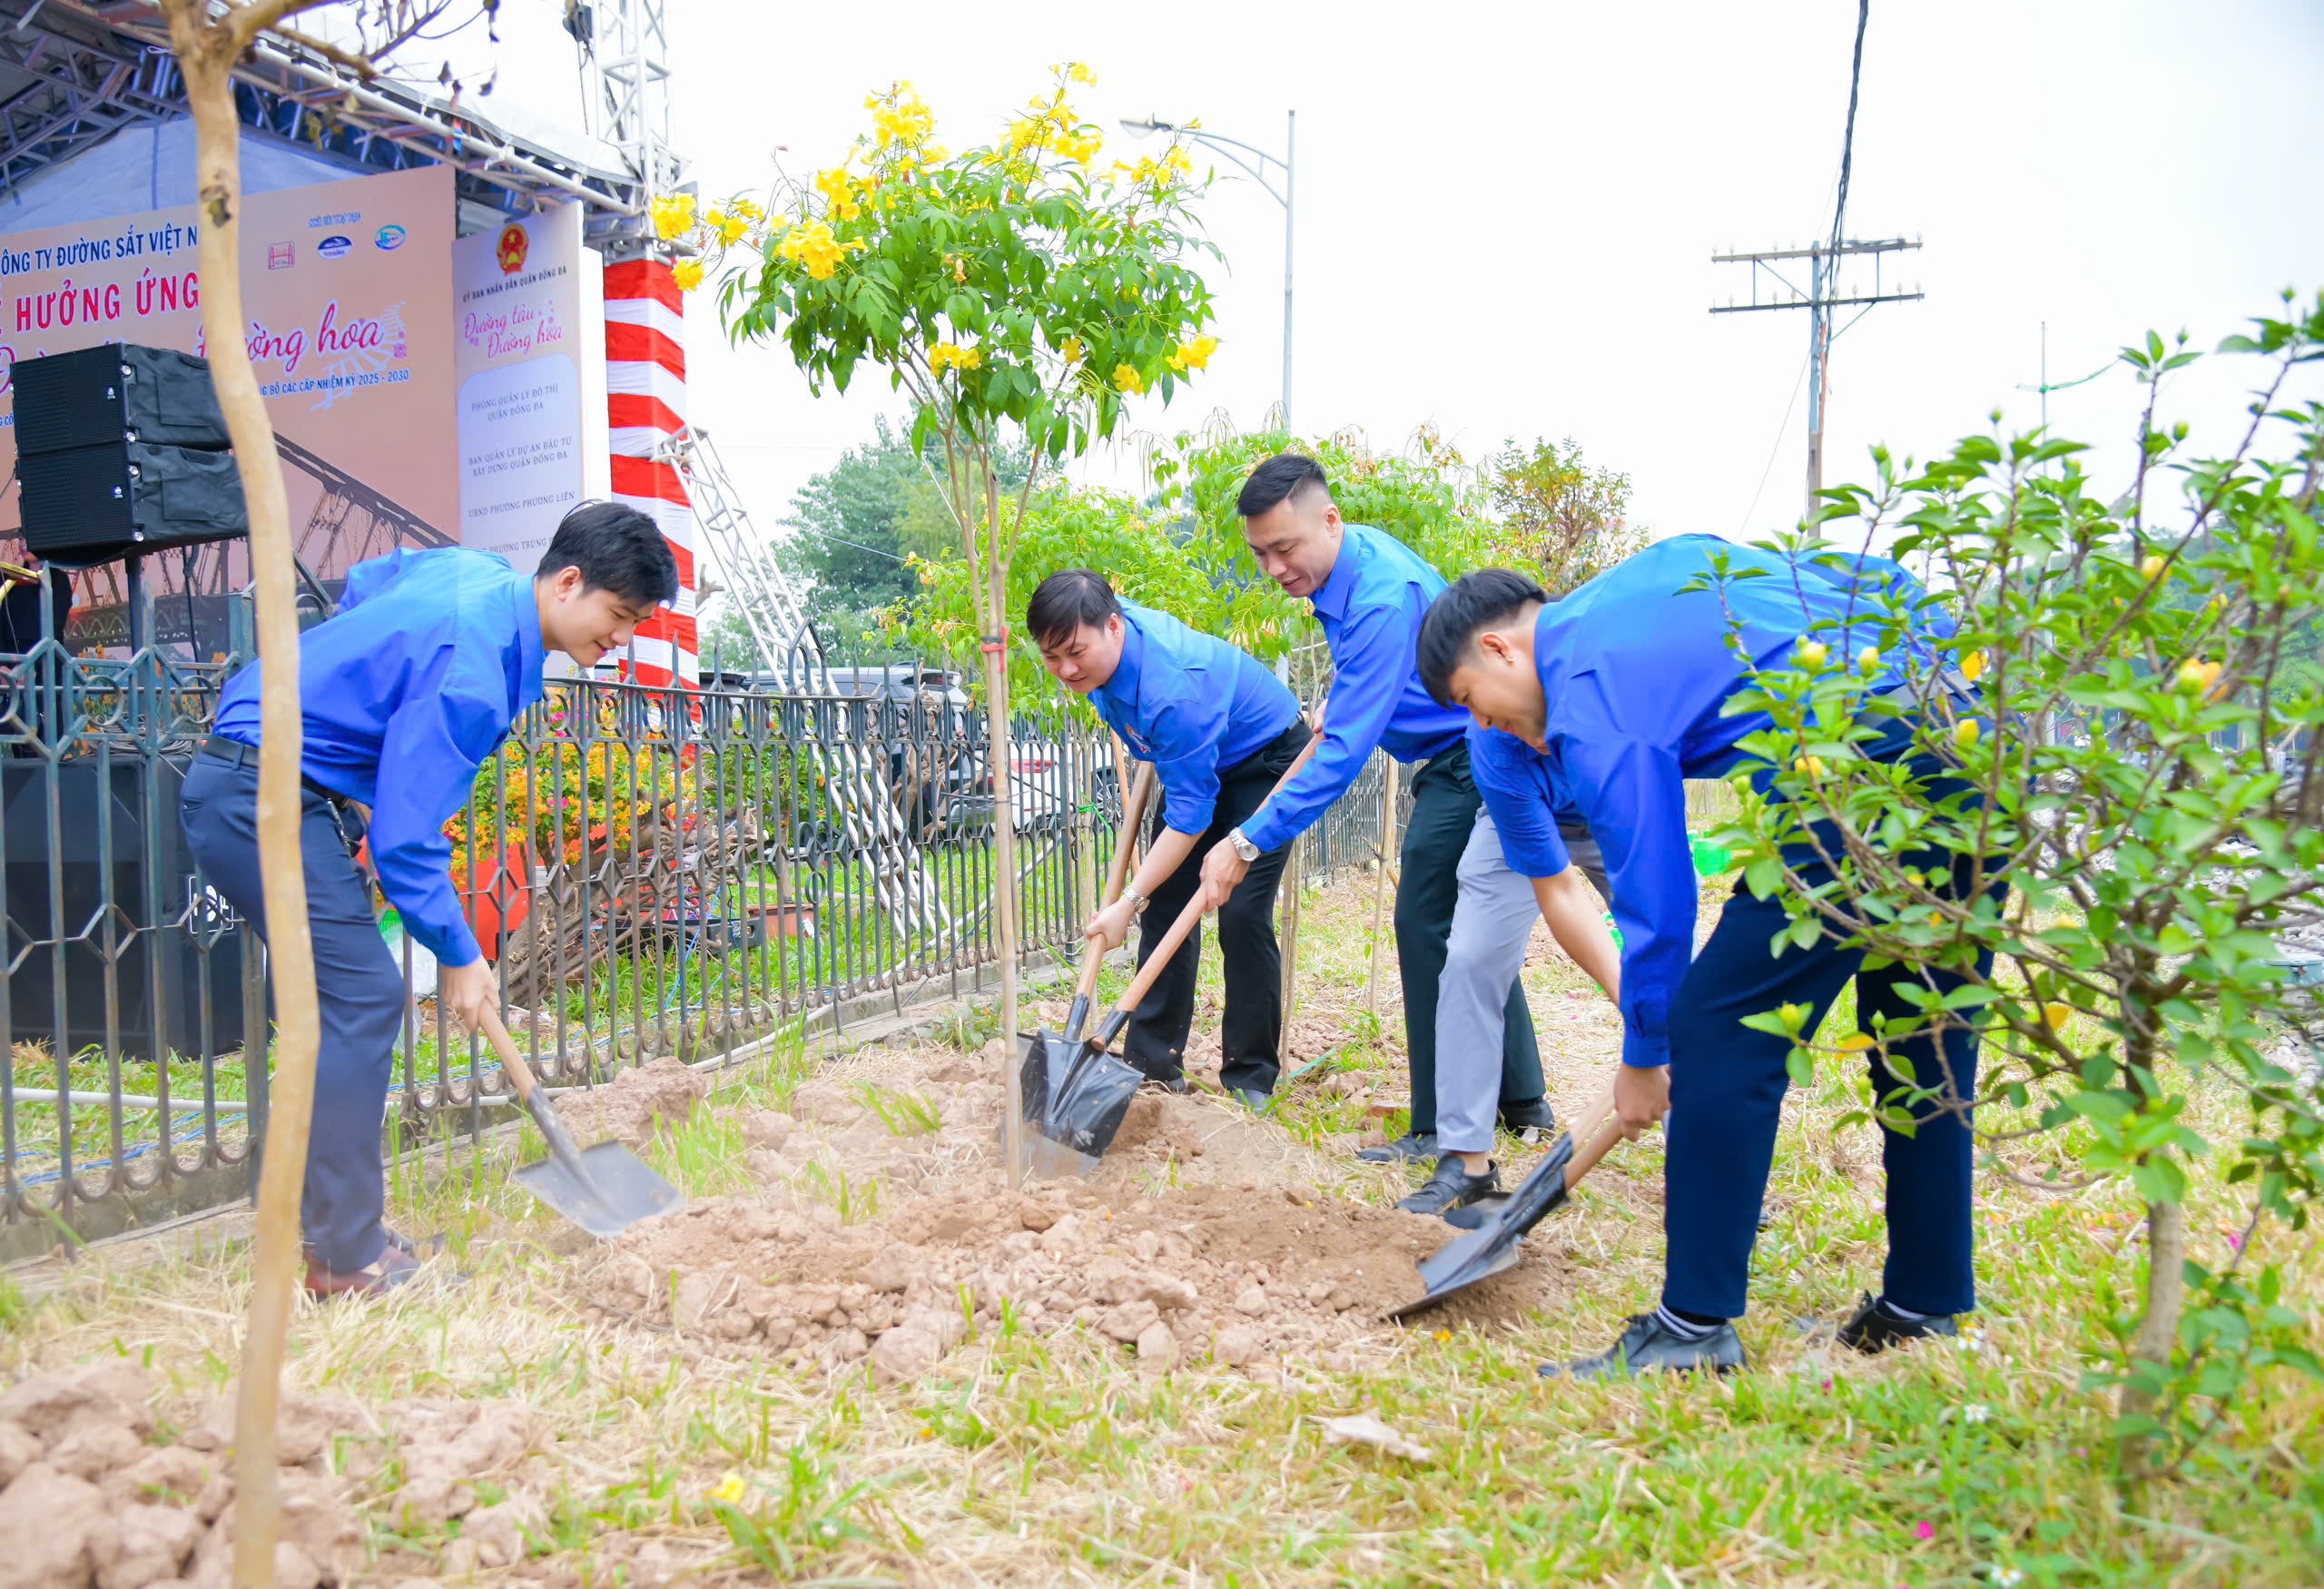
point(91, 1499)
point(635, 1103)
point(1222, 1263)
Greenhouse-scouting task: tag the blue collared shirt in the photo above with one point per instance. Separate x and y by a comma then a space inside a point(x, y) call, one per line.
point(404, 694)
point(1634, 679)
point(1371, 606)
point(1192, 705)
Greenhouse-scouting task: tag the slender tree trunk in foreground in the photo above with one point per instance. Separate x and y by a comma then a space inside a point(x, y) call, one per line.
point(2166, 1294)
point(207, 52)
point(1006, 927)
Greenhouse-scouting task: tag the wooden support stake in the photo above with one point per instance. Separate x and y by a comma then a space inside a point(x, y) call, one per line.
point(1380, 886)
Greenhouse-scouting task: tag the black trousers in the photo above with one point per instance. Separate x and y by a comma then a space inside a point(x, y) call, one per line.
point(1444, 813)
point(358, 989)
point(1250, 1033)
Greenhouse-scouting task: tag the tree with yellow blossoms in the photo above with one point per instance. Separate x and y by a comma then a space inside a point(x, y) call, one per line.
point(1022, 287)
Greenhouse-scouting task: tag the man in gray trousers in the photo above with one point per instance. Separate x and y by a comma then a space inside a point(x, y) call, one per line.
point(1492, 923)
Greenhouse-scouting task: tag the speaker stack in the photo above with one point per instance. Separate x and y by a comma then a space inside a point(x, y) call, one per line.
point(121, 451)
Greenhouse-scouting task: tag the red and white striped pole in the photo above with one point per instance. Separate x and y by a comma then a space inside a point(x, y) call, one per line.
point(646, 385)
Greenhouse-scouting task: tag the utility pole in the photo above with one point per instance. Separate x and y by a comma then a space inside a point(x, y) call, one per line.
point(1825, 290)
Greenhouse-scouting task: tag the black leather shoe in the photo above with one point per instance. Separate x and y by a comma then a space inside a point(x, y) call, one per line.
point(1873, 1328)
point(1408, 1148)
point(1452, 1187)
point(1533, 1113)
point(1646, 1348)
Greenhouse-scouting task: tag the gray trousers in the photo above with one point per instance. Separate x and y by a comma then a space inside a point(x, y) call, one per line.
point(1492, 923)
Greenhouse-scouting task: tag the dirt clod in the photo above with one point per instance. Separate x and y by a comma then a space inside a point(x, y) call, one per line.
point(47, 1521)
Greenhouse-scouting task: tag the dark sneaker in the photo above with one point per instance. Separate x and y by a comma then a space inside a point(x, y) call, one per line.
point(395, 1268)
point(1647, 1347)
point(1167, 1083)
point(1874, 1328)
point(1452, 1187)
point(1533, 1114)
point(1408, 1148)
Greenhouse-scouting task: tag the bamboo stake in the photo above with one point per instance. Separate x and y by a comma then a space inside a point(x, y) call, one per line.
point(207, 50)
point(1380, 884)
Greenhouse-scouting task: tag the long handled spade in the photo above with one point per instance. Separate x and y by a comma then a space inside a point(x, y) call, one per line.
point(1084, 1109)
point(606, 1188)
point(1492, 1246)
point(1049, 1056)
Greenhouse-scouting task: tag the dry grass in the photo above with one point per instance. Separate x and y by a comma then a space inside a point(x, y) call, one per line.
point(1023, 1460)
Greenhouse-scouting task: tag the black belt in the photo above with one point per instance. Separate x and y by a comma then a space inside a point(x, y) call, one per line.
point(237, 754)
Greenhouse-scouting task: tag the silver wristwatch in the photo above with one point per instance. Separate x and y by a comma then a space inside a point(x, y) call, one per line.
point(1136, 901)
point(1243, 846)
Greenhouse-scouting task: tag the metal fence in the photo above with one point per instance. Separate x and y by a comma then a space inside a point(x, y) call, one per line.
point(655, 872)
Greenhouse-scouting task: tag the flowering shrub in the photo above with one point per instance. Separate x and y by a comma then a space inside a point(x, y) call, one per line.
point(2145, 762)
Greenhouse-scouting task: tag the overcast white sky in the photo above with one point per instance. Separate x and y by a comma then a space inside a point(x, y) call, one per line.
point(1506, 212)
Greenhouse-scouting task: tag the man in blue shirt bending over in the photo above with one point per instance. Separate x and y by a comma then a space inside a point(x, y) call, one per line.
point(1219, 729)
point(1463, 1005)
point(404, 694)
point(1613, 697)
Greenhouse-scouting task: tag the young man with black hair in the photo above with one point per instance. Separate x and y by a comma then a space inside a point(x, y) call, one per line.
point(1219, 729)
point(404, 692)
point(1612, 696)
point(1369, 591)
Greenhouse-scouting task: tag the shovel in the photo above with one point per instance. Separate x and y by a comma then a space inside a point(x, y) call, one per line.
point(1082, 1108)
point(1048, 1056)
point(1492, 1248)
point(605, 1189)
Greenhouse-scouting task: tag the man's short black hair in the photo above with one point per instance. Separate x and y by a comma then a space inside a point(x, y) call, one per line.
point(617, 549)
point(1276, 480)
point(1482, 600)
point(1066, 600)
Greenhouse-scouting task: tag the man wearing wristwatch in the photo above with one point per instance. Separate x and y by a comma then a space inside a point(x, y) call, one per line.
point(1370, 592)
point(1220, 729)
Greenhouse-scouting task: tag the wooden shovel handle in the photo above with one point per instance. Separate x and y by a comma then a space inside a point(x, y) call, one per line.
point(510, 1060)
point(1159, 960)
point(1124, 846)
point(1594, 1141)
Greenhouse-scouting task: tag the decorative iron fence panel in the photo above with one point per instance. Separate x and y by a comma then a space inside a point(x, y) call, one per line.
point(655, 872)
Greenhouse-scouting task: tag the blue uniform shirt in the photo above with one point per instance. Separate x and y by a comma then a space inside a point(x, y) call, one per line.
point(1371, 606)
point(1634, 676)
point(1192, 705)
point(404, 692)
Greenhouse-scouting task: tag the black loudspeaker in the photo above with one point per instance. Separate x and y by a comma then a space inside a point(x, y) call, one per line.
point(184, 968)
point(116, 392)
point(94, 504)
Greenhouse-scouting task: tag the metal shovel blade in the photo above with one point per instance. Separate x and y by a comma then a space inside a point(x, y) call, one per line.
point(1491, 1247)
point(1075, 1096)
point(614, 1190)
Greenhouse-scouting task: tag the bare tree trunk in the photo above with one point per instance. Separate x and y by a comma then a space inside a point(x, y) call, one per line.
point(2158, 1335)
point(207, 52)
point(995, 605)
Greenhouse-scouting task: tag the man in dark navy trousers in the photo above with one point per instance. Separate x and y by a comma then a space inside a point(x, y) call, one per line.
point(404, 694)
point(1220, 729)
point(1612, 698)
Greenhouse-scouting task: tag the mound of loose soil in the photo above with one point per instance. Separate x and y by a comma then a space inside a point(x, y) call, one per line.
point(89, 1499)
point(634, 1104)
point(1237, 1273)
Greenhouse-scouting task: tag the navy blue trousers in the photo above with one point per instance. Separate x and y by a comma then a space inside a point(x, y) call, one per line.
point(358, 985)
point(1727, 1089)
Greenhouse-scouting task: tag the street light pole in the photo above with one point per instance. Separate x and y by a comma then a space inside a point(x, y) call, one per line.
point(1227, 146)
point(1290, 128)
